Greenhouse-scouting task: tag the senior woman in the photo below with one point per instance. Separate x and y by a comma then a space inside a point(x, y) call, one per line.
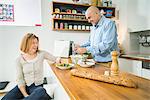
point(29, 67)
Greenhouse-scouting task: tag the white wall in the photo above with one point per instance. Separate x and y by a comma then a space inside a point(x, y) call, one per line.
point(26, 12)
point(10, 37)
point(133, 16)
point(0, 55)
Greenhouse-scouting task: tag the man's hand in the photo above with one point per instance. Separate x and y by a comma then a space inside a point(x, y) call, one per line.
point(75, 47)
point(81, 50)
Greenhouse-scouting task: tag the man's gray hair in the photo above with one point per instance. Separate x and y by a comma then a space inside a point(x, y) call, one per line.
point(92, 9)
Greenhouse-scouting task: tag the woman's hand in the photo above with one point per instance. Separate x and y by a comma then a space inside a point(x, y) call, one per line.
point(26, 95)
point(58, 60)
point(23, 91)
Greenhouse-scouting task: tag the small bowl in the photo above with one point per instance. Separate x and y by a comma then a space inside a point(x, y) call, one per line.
point(60, 66)
point(86, 64)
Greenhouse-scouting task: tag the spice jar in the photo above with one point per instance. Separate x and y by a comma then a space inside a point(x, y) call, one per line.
point(83, 27)
point(66, 25)
point(75, 27)
point(70, 27)
point(61, 25)
point(56, 25)
point(79, 27)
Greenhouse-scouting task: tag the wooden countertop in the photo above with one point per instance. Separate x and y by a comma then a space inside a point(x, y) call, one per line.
point(85, 89)
point(131, 57)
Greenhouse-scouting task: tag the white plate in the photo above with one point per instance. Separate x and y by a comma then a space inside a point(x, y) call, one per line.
point(86, 64)
point(61, 67)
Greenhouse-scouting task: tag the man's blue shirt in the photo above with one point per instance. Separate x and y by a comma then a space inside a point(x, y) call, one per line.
point(102, 40)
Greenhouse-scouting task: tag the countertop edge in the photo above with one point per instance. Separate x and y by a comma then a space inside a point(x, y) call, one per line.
point(134, 58)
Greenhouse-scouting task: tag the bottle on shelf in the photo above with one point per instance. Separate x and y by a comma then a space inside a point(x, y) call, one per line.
point(61, 26)
point(56, 25)
point(66, 25)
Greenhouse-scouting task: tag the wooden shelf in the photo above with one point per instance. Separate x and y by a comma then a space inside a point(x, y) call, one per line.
point(69, 30)
point(76, 4)
point(69, 19)
point(63, 16)
point(64, 13)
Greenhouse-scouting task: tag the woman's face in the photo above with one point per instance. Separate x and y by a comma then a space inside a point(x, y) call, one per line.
point(34, 46)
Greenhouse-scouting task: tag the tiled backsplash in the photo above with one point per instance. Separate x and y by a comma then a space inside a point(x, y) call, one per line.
point(140, 42)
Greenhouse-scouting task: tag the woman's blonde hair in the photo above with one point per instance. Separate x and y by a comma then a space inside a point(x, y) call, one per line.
point(27, 41)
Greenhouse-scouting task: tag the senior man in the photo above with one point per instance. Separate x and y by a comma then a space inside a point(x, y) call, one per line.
point(103, 36)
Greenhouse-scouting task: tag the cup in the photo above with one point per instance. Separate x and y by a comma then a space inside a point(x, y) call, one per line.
point(74, 59)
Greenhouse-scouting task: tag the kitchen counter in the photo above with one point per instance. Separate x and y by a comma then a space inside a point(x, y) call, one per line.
point(85, 89)
point(139, 57)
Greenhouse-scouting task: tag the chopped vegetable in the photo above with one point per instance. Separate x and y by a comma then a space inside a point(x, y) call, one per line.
point(64, 65)
point(87, 53)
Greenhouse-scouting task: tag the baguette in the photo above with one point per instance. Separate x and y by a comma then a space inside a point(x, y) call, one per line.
point(121, 79)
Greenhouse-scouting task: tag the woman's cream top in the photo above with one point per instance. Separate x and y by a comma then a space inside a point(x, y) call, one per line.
point(31, 71)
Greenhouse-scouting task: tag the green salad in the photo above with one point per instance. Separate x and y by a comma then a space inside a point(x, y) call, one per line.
point(87, 53)
point(64, 65)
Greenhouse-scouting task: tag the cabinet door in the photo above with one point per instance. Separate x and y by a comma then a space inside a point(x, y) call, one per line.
point(137, 67)
point(130, 66)
point(145, 73)
point(54, 84)
point(125, 65)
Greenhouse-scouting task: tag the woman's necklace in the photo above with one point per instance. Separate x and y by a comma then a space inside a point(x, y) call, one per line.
point(28, 56)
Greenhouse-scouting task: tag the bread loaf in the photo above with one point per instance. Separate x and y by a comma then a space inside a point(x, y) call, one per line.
point(117, 80)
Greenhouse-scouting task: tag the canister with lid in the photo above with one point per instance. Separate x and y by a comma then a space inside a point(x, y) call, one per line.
point(79, 27)
point(70, 27)
point(83, 27)
point(75, 27)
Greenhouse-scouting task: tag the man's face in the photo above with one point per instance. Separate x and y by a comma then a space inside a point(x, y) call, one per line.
point(92, 17)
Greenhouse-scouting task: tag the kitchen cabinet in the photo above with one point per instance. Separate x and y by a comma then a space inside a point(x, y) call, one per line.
point(84, 89)
point(131, 66)
point(125, 65)
point(59, 91)
point(71, 17)
point(138, 19)
point(145, 73)
point(136, 67)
